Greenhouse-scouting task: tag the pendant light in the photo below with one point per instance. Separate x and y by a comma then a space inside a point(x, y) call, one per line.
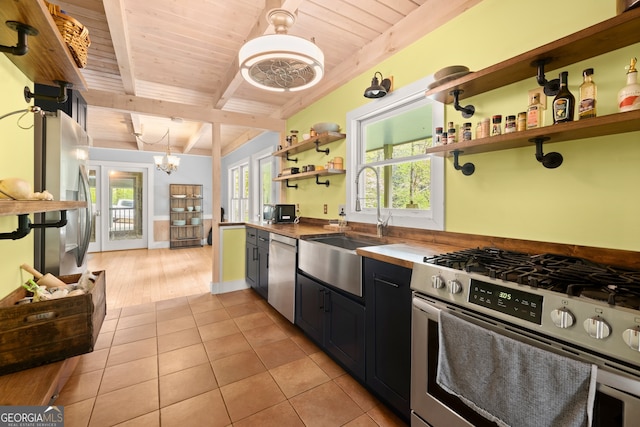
point(167, 163)
point(280, 62)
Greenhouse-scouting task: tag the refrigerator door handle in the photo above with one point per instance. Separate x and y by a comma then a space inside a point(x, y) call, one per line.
point(85, 235)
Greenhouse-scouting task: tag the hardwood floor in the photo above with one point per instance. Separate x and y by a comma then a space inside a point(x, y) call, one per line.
point(143, 276)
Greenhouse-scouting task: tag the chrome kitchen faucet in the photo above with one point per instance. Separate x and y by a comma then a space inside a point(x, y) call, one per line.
point(380, 224)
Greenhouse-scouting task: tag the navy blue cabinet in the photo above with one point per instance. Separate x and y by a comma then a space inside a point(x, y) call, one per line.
point(336, 323)
point(388, 342)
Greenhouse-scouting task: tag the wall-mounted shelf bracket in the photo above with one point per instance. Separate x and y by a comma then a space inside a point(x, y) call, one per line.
point(290, 185)
point(323, 182)
point(62, 95)
point(23, 31)
point(467, 111)
point(25, 226)
point(467, 169)
point(325, 151)
point(552, 87)
point(550, 160)
point(290, 159)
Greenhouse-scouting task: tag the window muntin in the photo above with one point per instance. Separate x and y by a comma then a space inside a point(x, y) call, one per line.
point(239, 191)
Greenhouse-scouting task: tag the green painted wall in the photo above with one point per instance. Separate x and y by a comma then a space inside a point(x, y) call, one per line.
point(16, 146)
point(233, 253)
point(590, 200)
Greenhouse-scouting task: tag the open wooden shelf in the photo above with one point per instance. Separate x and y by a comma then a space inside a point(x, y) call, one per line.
point(579, 129)
point(20, 207)
point(615, 33)
point(48, 58)
point(311, 174)
point(307, 144)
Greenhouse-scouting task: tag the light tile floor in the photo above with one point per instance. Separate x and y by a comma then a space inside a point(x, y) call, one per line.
point(212, 360)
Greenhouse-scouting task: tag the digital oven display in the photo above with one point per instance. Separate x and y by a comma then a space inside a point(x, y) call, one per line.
point(513, 302)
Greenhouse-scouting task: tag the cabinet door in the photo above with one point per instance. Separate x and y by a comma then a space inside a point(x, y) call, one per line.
point(310, 298)
point(251, 264)
point(345, 332)
point(388, 302)
point(263, 271)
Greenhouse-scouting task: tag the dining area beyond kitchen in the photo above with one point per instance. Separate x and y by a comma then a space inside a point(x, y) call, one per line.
point(186, 357)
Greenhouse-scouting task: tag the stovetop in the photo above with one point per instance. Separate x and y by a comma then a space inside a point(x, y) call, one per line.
point(569, 275)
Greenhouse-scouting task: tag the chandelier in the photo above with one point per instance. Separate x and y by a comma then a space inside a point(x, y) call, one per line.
point(167, 163)
point(280, 62)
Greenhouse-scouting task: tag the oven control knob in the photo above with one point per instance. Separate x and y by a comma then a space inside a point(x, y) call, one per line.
point(597, 328)
point(454, 286)
point(437, 281)
point(562, 318)
point(632, 337)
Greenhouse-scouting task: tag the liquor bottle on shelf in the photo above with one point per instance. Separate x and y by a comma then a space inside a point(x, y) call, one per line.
point(629, 96)
point(535, 112)
point(564, 103)
point(588, 91)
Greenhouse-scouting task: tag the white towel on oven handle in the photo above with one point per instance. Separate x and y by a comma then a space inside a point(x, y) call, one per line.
point(510, 382)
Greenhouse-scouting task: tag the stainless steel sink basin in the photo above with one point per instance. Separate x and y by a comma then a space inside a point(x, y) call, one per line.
point(333, 260)
point(344, 242)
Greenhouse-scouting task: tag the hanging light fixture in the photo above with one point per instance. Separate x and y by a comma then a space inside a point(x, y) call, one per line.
point(378, 88)
point(167, 163)
point(280, 62)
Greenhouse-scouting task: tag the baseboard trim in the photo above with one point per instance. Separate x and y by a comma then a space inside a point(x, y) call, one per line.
point(221, 288)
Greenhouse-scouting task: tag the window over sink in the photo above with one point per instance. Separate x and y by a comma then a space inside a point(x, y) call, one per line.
point(391, 134)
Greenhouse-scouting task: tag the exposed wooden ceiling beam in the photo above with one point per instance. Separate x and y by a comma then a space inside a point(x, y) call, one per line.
point(117, 21)
point(129, 103)
point(137, 129)
point(240, 141)
point(203, 129)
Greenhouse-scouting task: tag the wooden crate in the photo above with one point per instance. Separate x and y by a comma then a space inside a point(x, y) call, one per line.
point(50, 331)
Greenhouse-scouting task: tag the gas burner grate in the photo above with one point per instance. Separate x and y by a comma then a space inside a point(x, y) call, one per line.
point(570, 275)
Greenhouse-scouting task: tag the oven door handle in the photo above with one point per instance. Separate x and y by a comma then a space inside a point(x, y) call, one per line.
point(426, 307)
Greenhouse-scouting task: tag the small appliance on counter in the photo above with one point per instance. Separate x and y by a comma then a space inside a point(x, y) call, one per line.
point(268, 212)
point(284, 214)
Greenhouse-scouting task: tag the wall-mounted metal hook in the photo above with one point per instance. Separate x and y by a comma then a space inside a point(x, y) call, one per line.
point(290, 186)
point(466, 111)
point(550, 160)
point(552, 87)
point(62, 96)
point(23, 30)
point(467, 169)
point(325, 151)
point(321, 183)
point(290, 159)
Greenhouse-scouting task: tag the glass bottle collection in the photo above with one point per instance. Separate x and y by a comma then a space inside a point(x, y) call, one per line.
point(564, 107)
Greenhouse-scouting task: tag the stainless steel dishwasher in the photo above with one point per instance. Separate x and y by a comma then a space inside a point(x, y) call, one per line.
point(282, 274)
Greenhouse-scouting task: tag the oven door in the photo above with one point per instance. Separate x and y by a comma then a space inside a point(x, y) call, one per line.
point(617, 401)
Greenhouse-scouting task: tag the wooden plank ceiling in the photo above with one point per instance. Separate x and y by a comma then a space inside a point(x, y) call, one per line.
point(153, 60)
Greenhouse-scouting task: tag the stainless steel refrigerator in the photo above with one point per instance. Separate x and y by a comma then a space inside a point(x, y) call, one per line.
point(61, 153)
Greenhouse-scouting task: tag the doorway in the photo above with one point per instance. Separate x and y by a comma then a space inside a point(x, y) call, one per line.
point(120, 203)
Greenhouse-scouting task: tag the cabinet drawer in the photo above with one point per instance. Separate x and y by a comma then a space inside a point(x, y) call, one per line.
point(263, 238)
point(252, 235)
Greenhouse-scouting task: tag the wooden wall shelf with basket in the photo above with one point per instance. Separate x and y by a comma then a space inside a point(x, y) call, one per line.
point(49, 59)
point(186, 228)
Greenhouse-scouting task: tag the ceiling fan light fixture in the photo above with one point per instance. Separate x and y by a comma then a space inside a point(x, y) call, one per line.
point(281, 62)
point(378, 88)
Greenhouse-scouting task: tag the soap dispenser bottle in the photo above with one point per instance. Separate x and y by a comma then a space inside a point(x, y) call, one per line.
point(629, 96)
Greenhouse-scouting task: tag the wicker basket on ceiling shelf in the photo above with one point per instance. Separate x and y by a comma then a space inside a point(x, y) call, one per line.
point(74, 34)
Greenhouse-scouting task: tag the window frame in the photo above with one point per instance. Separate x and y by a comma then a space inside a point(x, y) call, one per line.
point(239, 166)
point(395, 102)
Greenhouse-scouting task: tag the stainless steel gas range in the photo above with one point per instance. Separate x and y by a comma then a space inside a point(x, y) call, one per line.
point(567, 306)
